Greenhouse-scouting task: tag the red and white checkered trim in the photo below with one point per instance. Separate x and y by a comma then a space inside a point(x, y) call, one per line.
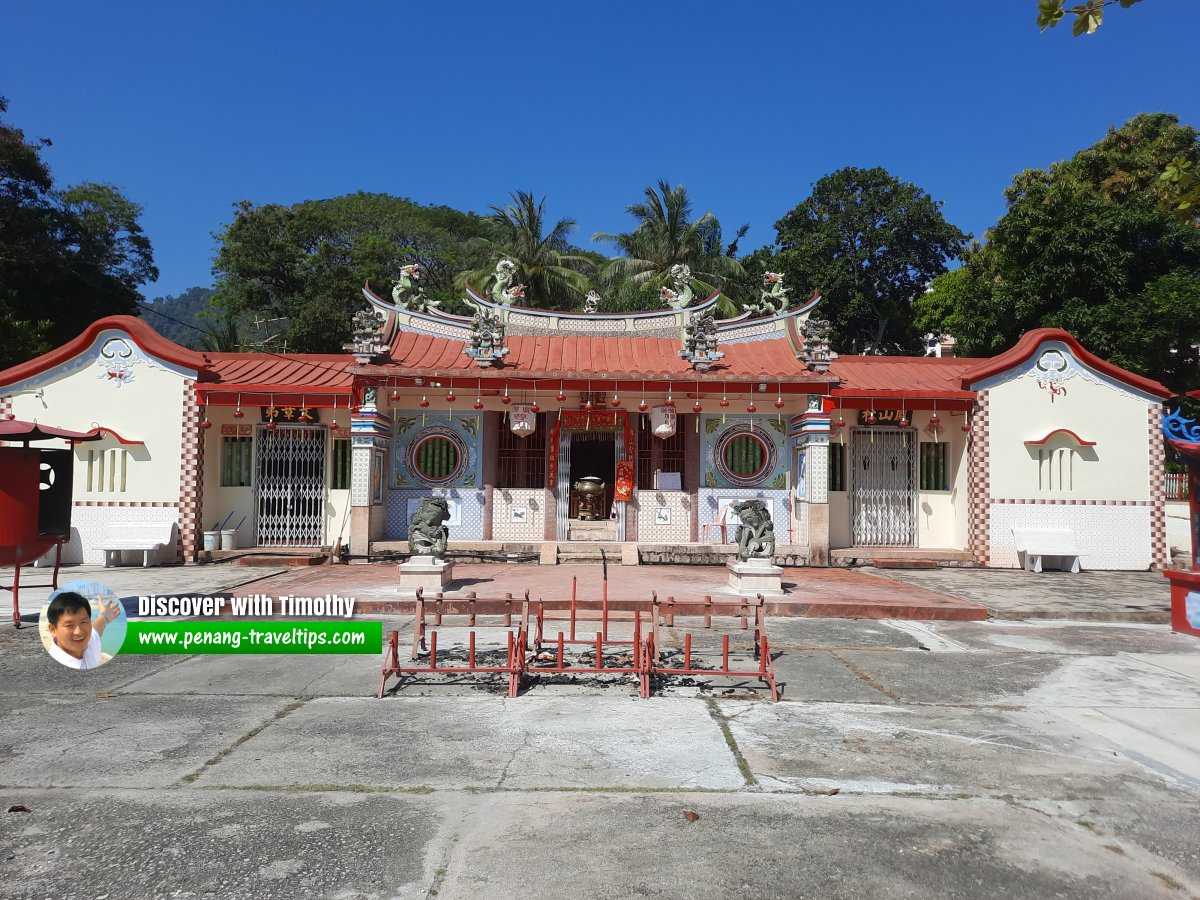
point(191, 474)
point(979, 483)
point(1158, 491)
point(5, 406)
point(1060, 501)
point(137, 503)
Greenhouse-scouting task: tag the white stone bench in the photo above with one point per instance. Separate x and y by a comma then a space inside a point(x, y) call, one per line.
point(1036, 544)
point(149, 537)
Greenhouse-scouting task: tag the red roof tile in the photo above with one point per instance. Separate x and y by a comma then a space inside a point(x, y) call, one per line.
point(559, 356)
point(909, 375)
point(313, 372)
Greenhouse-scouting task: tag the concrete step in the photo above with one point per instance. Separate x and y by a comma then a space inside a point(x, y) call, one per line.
point(266, 559)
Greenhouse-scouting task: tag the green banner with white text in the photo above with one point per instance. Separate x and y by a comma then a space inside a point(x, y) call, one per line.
point(253, 637)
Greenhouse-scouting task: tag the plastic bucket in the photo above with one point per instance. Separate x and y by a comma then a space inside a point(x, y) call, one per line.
point(229, 539)
point(212, 540)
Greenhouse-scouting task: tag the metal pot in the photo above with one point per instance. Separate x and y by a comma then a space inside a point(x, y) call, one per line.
point(590, 485)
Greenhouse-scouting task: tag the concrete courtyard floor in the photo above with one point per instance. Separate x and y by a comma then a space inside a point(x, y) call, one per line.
point(1017, 758)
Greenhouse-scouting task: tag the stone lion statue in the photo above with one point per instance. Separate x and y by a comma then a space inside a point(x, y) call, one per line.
point(756, 535)
point(427, 533)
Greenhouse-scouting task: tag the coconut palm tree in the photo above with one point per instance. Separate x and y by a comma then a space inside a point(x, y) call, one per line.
point(554, 273)
point(666, 235)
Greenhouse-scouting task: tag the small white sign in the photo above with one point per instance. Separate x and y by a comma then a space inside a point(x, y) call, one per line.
point(662, 516)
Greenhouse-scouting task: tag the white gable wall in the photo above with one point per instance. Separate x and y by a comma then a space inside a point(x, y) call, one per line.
point(1101, 492)
point(139, 396)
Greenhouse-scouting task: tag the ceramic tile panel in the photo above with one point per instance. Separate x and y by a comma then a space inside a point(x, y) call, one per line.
point(87, 526)
point(1112, 535)
point(469, 500)
point(664, 517)
point(518, 514)
point(777, 501)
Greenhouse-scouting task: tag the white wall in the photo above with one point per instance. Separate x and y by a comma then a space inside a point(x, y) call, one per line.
point(1179, 532)
point(146, 407)
point(218, 502)
point(1116, 468)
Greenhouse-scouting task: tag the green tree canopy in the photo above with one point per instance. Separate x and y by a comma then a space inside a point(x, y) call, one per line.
point(553, 272)
point(305, 263)
point(67, 256)
point(870, 243)
point(1087, 245)
point(667, 235)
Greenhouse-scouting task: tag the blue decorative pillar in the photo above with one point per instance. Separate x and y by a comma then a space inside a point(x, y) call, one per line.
point(808, 435)
point(370, 443)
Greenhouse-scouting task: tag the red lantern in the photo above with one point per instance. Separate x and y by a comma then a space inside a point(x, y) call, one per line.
point(643, 406)
point(616, 401)
point(237, 414)
point(451, 397)
point(966, 426)
point(535, 408)
point(696, 407)
point(903, 423)
point(934, 420)
point(271, 426)
point(206, 424)
point(724, 403)
point(424, 402)
point(394, 396)
point(669, 402)
point(779, 403)
point(506, 399)
point(588, 406)
point(751, 407)
point(478, 404)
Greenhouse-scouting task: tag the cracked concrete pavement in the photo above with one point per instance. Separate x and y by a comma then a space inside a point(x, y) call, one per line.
point(1004, 758)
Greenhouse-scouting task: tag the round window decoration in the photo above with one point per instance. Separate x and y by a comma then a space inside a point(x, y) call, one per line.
point(744, 456)
point(438, 456)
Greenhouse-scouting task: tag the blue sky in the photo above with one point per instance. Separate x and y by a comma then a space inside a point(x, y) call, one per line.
point(189, 107)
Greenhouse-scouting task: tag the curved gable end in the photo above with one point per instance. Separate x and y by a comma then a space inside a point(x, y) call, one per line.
point(112, 329)
point(1054, 356)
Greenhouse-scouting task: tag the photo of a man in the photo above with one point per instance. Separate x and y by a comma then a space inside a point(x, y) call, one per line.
point(75, 639)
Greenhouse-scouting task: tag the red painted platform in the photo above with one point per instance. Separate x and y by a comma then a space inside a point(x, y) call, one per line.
point(837, 593)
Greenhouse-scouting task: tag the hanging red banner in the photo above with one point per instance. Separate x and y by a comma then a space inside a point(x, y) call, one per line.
point(623, 489)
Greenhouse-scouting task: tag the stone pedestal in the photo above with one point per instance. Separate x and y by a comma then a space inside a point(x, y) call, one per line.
point(425, 572)
point(593, 530)
point(755, 576)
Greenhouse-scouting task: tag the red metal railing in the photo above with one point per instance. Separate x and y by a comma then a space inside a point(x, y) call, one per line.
point(643, 656)
point(1177, 486)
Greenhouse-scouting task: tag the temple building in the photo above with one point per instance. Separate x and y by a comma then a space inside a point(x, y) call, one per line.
point(549, 432)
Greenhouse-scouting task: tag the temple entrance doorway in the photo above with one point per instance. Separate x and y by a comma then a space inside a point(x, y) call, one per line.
point(587, 515)
point(593, 456)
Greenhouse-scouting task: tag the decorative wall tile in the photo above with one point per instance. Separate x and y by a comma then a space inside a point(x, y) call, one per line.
point(1113, 536)
point(518, 514)
point(87, 526)
point(470, 502)
point(414, 426)
point(664, 517)
point(777, 502)
point(191, 476)
point(715, 429)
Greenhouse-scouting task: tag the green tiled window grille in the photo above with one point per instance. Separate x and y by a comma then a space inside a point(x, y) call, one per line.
point(837, 467)
point(340, 479)
point(934, 474)
point(237, 461)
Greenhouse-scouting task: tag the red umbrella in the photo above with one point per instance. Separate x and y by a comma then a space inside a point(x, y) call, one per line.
point(16, 430)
